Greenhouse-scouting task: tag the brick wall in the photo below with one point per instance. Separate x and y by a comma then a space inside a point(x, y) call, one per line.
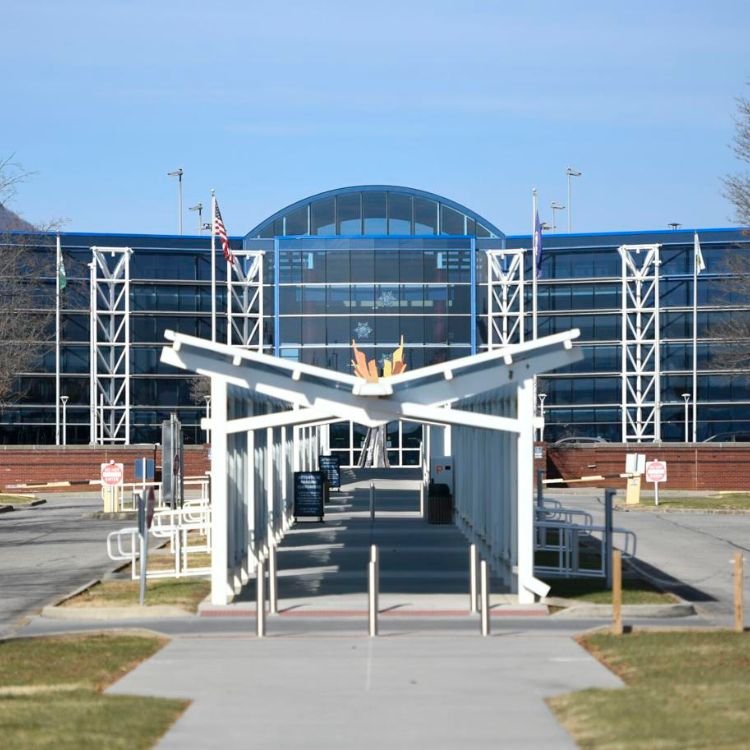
point(40, 464)
point(701, 467)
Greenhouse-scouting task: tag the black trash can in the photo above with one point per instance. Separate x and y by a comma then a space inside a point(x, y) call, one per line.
point(439, 503)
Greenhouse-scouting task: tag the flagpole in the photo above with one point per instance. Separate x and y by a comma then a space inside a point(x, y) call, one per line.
point(213, 266)
point(696, 245)
point(58, 259)
point(534, 269)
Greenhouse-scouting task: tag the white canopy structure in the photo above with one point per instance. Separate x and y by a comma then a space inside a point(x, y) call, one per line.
point(256, 398)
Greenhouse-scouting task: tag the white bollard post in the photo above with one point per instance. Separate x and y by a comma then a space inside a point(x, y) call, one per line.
point(485, 593)
point(260, 599)
point(373, 574)
point(473, 558)
point(273, 585)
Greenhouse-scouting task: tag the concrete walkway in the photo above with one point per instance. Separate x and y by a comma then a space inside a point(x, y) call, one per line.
point(393, 692)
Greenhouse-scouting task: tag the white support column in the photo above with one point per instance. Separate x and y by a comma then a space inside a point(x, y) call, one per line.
point(270, 520)
point(252, 559)
point(221, 591)
point(525, 491)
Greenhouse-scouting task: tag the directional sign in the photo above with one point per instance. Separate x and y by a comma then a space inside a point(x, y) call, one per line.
point(112, 474)
point(656, 471)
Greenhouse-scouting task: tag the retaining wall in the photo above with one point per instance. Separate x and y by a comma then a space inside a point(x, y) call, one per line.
point(40, 464)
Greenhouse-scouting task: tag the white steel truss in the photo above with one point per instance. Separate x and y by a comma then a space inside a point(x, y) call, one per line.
point(504, 297)
point(641, 356)
point(110, 345)
point(245, 300)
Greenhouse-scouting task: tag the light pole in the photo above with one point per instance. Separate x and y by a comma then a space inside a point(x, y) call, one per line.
point(555, 206)
point(686, 396)
point(570, 172)
point(64, 401)
point(199, 208)
point(541, 397)
point(178, 174)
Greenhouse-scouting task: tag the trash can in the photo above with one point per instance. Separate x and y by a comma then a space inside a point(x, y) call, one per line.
point(439, 503)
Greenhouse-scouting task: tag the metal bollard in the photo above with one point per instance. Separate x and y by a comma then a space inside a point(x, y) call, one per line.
point(473, 559)
point(485, 594)
point(273, 584)
point(260, 599)
point(373, 575)
point(372, 500)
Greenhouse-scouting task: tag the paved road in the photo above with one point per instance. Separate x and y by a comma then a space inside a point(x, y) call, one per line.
point(691, 552)
point(48, 551)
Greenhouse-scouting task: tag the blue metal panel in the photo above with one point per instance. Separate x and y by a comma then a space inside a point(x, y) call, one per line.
point(276, 299)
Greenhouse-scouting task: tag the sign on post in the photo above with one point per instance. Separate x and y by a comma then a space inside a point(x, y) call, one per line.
point(656, 472)
point(111, 475)
point(309, 494)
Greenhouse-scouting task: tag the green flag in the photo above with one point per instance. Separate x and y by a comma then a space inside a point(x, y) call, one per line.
point(62, 277)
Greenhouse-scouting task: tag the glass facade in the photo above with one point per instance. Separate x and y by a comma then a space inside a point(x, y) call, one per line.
point(371, 264)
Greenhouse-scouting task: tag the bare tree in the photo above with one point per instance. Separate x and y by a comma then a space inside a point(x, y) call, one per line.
point(26, 303)
point(734, 330)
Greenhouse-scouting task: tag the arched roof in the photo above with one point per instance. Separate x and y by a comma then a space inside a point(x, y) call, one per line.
point(375, 210)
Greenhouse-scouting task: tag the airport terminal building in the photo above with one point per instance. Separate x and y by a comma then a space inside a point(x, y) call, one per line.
point(372, 264)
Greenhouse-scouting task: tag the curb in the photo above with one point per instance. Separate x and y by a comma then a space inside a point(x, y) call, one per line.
point(32, 504)
point(666, 509)
point(114, 613)
point(628, 610)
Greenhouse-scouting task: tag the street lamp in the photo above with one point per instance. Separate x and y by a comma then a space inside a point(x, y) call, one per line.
point(570, 172)
point(541, 397)
point(178, 174)
point(199, 208)
point(686, 396)
point(64, 400)
point(555, 206)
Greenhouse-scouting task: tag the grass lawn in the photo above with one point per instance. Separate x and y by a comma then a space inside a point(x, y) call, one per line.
point(180, 592)
point(7, 499)
point(594, 590)
point(684, 690)
point(49, 693)
point(718, 501)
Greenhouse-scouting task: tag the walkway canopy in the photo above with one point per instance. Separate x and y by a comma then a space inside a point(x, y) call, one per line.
point(265, 414)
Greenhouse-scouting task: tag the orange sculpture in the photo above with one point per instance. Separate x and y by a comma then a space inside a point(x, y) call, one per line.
point(369, 370)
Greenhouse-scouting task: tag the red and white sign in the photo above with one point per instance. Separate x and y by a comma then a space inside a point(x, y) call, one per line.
point(656, 471)
point(112, 474)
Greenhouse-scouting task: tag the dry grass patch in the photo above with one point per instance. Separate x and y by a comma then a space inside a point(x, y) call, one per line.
point(49, 694)
point(179, 592)
point(684, 690)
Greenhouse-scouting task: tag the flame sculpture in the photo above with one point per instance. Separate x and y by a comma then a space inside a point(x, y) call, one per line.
point(369, 370)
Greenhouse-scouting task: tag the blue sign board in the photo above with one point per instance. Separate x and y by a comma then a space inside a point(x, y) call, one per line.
point(331, 467)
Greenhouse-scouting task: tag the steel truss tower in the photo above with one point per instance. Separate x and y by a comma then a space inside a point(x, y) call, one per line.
point(245, 300)
point(110, 345)
point(504, 298)
point(641, 356)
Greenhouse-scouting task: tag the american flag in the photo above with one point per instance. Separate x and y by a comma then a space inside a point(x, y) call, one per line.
point(220, 229)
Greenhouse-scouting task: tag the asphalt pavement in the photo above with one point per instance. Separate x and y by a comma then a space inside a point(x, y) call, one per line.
point(49, 550)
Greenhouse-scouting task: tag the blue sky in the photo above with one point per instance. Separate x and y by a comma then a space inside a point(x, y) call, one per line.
point(268, 102)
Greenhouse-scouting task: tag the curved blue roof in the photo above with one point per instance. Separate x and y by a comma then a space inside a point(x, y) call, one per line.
point(265, 228)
